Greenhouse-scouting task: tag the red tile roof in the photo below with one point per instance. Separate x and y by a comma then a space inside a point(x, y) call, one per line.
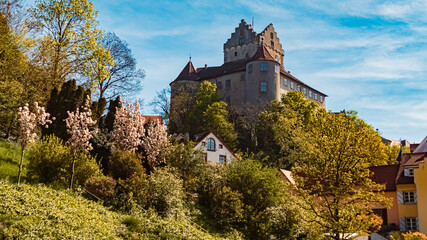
point(188, 73)
point(262, 54)
point(155, 119)
point(386, 175)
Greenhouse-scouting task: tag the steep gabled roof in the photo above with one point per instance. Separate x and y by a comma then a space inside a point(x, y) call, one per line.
point(200, 136)
point(386, 175)
point(422, 147)
point(188, 73)
point(262, 54)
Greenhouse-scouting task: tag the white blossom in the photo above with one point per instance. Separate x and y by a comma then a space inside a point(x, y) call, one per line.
point(128, 128)
point(156, 142)
point(29, 121)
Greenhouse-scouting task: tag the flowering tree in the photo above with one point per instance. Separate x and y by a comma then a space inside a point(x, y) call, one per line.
point(78, 124)
point(28, 123)
point(128, 127)
point(155, 142)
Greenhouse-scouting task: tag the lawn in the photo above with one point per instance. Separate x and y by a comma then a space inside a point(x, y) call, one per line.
point(10, 156)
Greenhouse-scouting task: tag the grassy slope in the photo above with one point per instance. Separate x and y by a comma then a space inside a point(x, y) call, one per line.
point(39, 212)
point(10, 156)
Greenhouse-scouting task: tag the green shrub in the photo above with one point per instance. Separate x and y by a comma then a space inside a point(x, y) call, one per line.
point(50, 162)
point(131, 192)
point(101, 187)
point(124, 164)
point(165, 191)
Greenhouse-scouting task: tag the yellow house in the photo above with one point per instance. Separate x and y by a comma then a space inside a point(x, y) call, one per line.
point(415, 166)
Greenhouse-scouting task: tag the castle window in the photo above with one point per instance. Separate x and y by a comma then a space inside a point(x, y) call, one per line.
point(235, 54)
point(227, 84)
point(250, 68)
point(292, 85)
point(211, 144)
point(263, 86)
point(272, 43)
point(227, 99)
point(285, 81)
point(315, 96)
point(219, 85)
point(242, 32)
point(310, 94)
point(222, 159)
point(276, 68)
point(264, 67)
point(271, 35)
point(241, 41)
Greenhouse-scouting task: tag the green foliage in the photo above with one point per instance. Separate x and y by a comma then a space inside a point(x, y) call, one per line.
point(179, 117)
point(188, 163)
point(165, 191)
point(111, 114)
point(101, 187)
point(338, 151)
point(124, 164)
point(50, 162)
point(10, 154)
point(132, 192)
point(216, 120)
point(69, 98)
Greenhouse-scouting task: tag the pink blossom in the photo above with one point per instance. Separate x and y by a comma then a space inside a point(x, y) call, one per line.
point(128, 127)
point(155, 143)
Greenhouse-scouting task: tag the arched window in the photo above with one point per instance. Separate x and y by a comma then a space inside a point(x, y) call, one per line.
point(211, 144)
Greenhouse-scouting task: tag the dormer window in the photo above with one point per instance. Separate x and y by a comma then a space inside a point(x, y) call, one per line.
point(264, 67)
point(211, 144)
point(408, 172)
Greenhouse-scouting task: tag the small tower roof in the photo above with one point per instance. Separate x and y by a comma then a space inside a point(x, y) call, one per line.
point(188, 73)
point(262, 54)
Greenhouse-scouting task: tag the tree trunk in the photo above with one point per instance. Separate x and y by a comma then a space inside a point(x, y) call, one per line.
point(20, 165)
point(72, 172)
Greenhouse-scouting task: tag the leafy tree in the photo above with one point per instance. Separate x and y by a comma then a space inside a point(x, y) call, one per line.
point(216, 119)
point(69, 98)
point(111, 114)
point(332, 173)
point(179, 116)
point(123, 164)
point(124, 78)
point(69, 45)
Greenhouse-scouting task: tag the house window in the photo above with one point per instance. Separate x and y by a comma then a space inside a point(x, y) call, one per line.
point(264, 67)
point(310, 94)
point(409, 197)
point(241, 41)
point(227, 99)
point(227, 84)
point(304, 90)
point(276, 68)
point(411, 224)
point(285, 81)
point(220, 146)
point(219, 85)
point(235, 54)
point(211, 144)
point(203, 144)
point(299, 88)
point(222, 159)
point(250, 68)
point(292, 85)
point(263, 86)
point(321, 98)
point(408, 172)
point(315, 96)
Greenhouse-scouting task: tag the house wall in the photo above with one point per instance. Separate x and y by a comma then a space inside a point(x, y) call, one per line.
point(393, 212)
point(420, 178)
point(213, 156)
point(407, 210)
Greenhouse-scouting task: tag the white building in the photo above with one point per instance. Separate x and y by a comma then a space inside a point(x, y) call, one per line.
point(216, 151)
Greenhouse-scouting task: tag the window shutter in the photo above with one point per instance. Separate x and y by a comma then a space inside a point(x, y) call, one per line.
point(400, 197)
point(406, 172)
point(418, 224)
point(402, 224)
point(415, 197)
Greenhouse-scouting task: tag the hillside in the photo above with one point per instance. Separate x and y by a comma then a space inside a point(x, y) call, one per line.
point(38, 212)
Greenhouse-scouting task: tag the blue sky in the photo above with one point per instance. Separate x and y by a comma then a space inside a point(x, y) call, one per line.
point(368, 56)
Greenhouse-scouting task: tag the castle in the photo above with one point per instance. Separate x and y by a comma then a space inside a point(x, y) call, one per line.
point(253, 71)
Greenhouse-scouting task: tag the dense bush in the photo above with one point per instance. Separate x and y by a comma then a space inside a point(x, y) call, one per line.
point(165, 190)
point(50, 162)
point(124, 164)
point(101, 187)
point(132, 192)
